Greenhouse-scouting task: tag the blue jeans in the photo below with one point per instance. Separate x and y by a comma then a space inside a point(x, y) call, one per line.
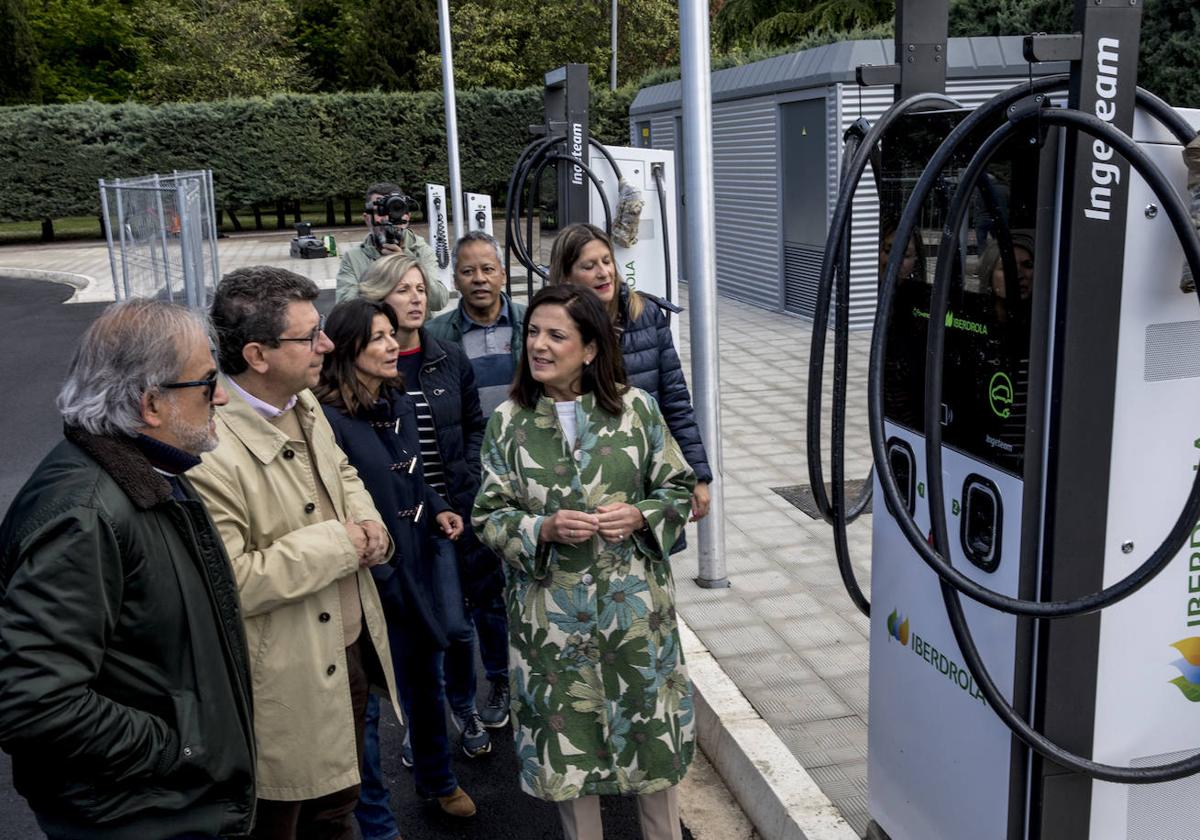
point(491, 623)
point(418, 666)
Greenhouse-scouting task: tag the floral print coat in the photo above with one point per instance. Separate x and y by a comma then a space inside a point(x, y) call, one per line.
point(600, 694)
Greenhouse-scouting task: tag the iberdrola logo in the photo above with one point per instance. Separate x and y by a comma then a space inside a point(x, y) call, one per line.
point(897, 627)
point(1189, 667)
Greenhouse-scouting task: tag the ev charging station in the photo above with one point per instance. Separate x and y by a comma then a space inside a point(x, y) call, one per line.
point(1035, 431)
point(435, 212)
point(627, 192)
point(479, 212)
point(648, 261)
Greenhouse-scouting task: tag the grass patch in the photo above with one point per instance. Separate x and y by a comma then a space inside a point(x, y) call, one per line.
point(88, 227)
point(73, 227)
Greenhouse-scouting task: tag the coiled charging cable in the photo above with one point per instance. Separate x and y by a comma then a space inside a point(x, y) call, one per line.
point(860, 144)
point(533, 159)
point(934, 555)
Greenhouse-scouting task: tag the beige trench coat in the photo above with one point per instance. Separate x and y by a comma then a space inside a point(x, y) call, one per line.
point(287, 563)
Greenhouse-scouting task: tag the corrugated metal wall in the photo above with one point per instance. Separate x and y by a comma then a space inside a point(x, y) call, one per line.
point(746, 189)
point(851, 102)
point(662, 130)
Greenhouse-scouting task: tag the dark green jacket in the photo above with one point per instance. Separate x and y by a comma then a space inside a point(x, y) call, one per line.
point(124, 689)
point(449, 325)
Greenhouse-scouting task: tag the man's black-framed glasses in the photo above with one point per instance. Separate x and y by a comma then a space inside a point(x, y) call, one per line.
point(313, 337)
point(210, 385)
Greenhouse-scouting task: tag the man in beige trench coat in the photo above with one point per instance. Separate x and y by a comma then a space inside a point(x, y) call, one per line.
point(301, 533)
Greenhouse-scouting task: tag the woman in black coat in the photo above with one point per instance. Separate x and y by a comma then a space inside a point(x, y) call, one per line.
point(375, 424)
point(441, 382)
point(583, 254)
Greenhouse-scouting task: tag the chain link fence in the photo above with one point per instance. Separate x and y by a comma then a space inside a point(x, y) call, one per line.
point(162, 236)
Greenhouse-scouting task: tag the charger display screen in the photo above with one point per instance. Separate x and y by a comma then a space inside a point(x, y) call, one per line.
point(986, 374)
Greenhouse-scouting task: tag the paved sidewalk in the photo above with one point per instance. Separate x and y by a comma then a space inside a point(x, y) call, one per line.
point(785, 632)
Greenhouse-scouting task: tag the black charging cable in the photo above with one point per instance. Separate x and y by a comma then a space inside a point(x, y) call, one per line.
point(534, 158)
point(1180, 220)
point(861, 148)
point(1178, 215)
point(989, 113)
point(661, 187)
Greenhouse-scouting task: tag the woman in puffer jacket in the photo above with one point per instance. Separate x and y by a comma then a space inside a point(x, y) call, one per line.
point(583, 254)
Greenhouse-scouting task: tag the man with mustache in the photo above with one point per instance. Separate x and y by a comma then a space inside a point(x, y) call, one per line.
point(125, 696)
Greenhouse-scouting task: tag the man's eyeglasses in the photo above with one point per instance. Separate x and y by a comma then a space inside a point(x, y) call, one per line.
point(210, 385)
point(313, 337)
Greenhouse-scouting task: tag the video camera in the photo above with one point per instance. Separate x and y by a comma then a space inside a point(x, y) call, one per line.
point(394, 206)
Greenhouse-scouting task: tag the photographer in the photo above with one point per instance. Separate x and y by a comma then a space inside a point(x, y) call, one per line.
point(388, 212)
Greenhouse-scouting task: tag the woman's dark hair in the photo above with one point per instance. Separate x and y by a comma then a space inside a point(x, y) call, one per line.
point(604, 376)
point(349, 327)
point(565, 252)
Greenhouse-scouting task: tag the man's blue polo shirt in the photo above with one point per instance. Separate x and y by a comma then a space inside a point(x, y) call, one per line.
point(489, 347)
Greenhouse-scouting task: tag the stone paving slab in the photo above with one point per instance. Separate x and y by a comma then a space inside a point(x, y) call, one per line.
point(785, 631)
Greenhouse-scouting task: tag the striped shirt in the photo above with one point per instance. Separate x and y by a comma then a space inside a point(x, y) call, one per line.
point(409, 364)
point(489, 347)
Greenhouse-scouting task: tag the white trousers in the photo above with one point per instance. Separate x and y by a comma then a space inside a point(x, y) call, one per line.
point(658, 813)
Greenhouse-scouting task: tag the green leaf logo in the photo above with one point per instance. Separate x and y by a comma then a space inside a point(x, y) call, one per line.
point(1189, 668)
point(897, 627)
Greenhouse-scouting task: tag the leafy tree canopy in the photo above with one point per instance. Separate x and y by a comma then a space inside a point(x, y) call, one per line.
point(742, 24)
point(499, 43)
point(18, 56)
point(213, 49)
point(88, 49)
point(56, 51)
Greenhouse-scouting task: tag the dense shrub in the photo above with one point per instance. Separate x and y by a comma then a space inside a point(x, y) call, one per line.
point(281, 148)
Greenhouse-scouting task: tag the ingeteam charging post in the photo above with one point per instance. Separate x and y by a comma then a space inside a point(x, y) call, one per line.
point(1035, 601)
point(628, 192)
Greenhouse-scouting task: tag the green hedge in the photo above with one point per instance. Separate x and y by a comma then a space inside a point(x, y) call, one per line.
point(282, 148)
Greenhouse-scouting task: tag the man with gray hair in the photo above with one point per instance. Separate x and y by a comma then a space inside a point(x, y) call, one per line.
point(125, 696)
point(488, 325)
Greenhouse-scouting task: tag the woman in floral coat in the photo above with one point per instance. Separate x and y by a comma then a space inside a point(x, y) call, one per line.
point(584, 492)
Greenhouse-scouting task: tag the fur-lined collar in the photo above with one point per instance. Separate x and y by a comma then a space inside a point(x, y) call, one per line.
point(124, 462)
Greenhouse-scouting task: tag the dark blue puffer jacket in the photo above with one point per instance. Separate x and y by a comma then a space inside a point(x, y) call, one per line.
point(448, 381)
point(652, 364)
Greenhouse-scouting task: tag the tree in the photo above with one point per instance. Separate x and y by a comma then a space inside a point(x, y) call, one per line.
point(1170, 52)
point(1009, 17)
point(213, 49)
point(741, 24)
point(88, 49)
point(1170, 43)
point(385, 42)
point(513, 43)
point(322, 36)
point(18, 56)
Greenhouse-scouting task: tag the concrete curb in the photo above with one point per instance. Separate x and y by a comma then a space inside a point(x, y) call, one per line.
point(79, 282)
point(774, 790)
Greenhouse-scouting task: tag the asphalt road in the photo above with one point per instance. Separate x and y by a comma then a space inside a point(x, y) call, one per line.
point(38, 337)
